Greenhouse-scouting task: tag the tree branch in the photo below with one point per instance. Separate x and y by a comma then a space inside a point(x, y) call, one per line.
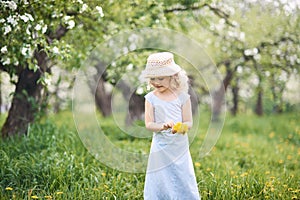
point(180, 8)
point(217, 11)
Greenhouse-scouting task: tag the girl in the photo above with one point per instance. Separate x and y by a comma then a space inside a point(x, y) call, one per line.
point(170, 173)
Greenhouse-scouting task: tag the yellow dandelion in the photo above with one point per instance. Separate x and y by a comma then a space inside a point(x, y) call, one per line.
point(180, 128)
point(232, 172)
point(244, 174)
point(280, 161)
point(267, 172)
point(9, 188)
point(59, 192)
point(48, 197)
point(295, 197)
point(289, 157)
point(34, 197)
point(197, 164)
point(272, 134)
point(208, 169)
point(103, 174)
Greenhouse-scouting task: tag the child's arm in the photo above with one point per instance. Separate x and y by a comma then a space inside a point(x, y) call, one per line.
point(149, 120)
point(187, 116)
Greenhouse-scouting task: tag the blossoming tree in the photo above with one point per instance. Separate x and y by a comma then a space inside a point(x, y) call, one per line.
point(32, 39)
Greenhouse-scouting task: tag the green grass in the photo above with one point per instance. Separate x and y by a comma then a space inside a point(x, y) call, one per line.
point(255, 158)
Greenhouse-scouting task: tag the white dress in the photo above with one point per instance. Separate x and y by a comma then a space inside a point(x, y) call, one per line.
point(170, 172)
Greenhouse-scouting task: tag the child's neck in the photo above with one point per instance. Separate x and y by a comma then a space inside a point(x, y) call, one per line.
point(167, 95)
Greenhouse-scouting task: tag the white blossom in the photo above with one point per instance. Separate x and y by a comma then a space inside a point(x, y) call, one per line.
point(44, 29)
point(7, 29)
point(38, 27)
point(12, 5)
point(4, 49)
point(84, 7)
point(257, 56)
point(67, 18)
point(242, 36)
point(71, 24)
point(27, 29)
point(129, 67)
point(80, 1)
point(12, 20)
point(2, 20)
point(140, 90)
point(100, 11)
point(24, 51)
point(6, 61)
point(24, 18)
point(55, 50)
point(29, 16)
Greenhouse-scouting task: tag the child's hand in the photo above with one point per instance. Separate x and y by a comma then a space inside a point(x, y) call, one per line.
point(168, 125)
point(180, 128)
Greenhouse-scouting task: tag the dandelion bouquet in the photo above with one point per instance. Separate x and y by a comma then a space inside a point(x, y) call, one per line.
point(180, 128)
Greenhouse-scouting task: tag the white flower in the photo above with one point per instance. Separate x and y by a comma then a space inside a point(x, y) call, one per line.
point(38, 27)
point(84, 7)
point(29, 16)
point(44, 29)
point(27, 29)
point(24, 51)
point(4, 49)
point(242, 36)
point(7, 29)
point(140, 90)
point(12, 5)
point(12, 20)
point(71, 24)
point(100, 11)
point(6, 62)
point(67, 18)
point(80, 1)
point(55, 50)
point(129, 67)
point(2, 20)
point(24, 18)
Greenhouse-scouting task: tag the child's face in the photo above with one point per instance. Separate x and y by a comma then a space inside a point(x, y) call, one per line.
point(161, 83)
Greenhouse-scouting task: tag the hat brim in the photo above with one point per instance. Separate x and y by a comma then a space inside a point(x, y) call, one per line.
point(163, 71)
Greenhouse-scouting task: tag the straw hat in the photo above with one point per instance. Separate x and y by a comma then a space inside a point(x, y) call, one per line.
point(160, 64)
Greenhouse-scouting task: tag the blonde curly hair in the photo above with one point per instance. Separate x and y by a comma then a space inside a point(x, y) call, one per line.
point(179, 82)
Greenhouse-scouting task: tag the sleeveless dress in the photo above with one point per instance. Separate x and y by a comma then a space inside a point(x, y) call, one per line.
point(170, 173)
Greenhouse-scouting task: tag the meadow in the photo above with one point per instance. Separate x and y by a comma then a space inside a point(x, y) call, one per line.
point(254, 158)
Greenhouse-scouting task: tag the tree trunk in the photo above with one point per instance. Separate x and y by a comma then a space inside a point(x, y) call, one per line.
point(235, 94)
point(259, 103)
point(219, 95)
point(24, 104)
point(103, 98)
point(136, 108)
